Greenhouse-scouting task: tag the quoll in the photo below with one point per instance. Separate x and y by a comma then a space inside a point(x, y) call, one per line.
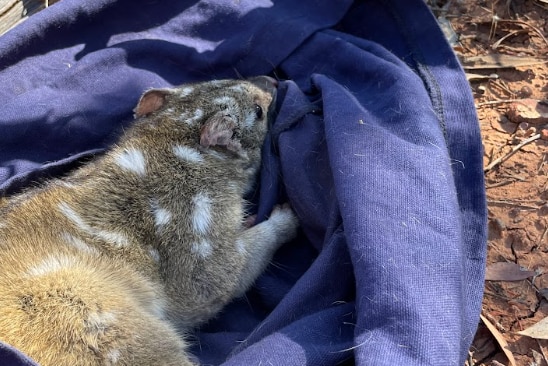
point(112, 263)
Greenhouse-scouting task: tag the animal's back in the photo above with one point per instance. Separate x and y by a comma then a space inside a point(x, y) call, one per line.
point(64, 302)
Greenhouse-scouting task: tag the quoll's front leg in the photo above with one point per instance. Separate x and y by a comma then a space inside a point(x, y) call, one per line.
point(260, 242)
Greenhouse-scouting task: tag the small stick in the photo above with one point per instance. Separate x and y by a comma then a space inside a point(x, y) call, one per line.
point(502, 159)
point(498, 102)
point(537, 31)
point(501, 84)
point(516, 177)
point(471, 359)
point(499, 184)
point(525, 207)
point(541, 163)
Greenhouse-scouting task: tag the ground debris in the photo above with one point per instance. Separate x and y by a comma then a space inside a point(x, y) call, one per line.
point(503, 48)
point(529, 111)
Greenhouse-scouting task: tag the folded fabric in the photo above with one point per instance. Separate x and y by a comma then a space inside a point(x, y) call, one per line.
point(375, 144)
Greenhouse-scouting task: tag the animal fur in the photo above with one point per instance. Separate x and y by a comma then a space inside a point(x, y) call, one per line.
point(108, 265)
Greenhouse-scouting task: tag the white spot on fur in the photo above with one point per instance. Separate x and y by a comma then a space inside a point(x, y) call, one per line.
point(201, 215)
point(161, 215)
point(73, 216)
point(99, 322)
point(216, 154)
point(133, 160)
point(157, 307)
point(249, 120)
point(186, 91)
point(113, 356)
point(202, 248)
point(240, 246)
point(234, 187)
point(105, 318)
point(191, 120)
point(51, 264)
point(228, 101)
point(154, 254)
point(188, 154)
point(198, 113)
point(116, 239)
point(77, 243)
point(237, 88)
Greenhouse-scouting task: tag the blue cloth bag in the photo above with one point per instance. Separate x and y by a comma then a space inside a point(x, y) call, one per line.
point(375, 144)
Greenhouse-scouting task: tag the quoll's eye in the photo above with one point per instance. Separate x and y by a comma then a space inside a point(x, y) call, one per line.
point(258, 111)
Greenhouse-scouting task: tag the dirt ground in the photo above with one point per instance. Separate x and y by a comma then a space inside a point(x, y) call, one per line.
point(501, 44)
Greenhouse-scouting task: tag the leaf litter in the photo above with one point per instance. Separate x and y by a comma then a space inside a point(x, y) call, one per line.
point(503, 48)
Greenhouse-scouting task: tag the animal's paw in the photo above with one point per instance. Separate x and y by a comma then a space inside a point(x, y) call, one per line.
point(284, 222)
point(249, 221)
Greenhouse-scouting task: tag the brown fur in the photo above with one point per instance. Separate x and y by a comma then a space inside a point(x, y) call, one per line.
point(110, 264)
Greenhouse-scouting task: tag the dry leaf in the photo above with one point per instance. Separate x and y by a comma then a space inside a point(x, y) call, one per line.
point(500, 340)
point(529, 110)
point(499, 61)
point(537, 331)
point(506, 271)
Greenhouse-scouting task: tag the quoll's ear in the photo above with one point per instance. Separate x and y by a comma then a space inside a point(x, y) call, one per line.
point(150, 101)
point(218, 131)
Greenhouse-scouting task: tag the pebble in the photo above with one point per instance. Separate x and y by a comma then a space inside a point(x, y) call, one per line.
point(526, 91)
point(499, 224)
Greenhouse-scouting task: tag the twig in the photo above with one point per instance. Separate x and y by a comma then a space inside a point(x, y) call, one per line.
point(508, 203)
point(541, 163)
point(545, 8)
point(500, 184)
point(502, 159)
point(494, 23)
point(516, 177)
point(537, 31)
point(471, 359)
point(498, 102)
point(517, 50)
point(501, 84)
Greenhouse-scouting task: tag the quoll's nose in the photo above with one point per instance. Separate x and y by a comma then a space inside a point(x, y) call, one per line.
point(266, 83)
